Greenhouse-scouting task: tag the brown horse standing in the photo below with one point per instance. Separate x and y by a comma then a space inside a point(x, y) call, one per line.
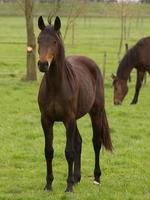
point(70, 88)
point(137, 57)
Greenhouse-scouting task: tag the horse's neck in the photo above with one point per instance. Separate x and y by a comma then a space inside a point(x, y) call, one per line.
point(54, 76)
point(70, 76)
point(125, 68)
point(61, 77)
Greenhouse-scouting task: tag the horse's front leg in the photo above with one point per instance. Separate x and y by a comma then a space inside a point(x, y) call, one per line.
point(48, 133)
point(77, 156)
point(140, 77)
point(69, 152)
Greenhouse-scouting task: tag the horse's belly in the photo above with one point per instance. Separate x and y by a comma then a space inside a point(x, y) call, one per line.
point(55, 111)
point(86, 99)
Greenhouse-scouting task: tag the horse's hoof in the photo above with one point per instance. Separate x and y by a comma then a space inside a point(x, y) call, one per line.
point(69, 190)
point(96, 182)
point(77, 180)
point(48, 188)
point(133, 103)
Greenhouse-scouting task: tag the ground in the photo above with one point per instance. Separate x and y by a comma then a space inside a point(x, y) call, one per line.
point(125, 172)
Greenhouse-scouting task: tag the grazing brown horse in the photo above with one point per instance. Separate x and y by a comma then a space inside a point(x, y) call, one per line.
point(71, 87)
point(137, 57)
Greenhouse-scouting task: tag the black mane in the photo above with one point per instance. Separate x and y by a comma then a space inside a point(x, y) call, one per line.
point(129, 60)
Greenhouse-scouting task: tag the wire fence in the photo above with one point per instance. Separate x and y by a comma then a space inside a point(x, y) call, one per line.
point(107, 8)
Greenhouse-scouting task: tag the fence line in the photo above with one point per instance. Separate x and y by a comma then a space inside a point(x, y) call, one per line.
point(87, 9)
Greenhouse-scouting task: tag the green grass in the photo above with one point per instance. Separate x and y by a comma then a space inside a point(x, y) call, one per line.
point(126, 172)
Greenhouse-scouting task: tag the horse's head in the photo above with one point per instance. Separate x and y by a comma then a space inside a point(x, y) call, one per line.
point(120, 89)
point(49, 42)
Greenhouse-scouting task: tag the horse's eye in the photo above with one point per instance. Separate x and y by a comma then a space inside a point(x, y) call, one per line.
point(55, 42)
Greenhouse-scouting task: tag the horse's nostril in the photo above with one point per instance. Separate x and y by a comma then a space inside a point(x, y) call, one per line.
point(46, 63)
point(40, 63)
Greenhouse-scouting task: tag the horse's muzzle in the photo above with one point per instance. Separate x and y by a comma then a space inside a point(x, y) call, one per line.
point(43, 66)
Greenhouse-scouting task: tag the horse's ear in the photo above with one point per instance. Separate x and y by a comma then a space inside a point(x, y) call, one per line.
point(57, 24)
point(41, 23)
point(113, 76)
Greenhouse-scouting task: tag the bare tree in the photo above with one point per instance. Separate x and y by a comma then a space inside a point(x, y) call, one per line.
point(31, 42)
point(125, 15)
point(77, 8)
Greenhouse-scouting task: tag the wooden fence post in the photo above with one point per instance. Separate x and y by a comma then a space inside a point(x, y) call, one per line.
point(127, 47)
point(104, 65)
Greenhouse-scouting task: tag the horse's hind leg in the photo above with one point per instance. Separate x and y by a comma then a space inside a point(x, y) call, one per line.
point(77, 158)
point(96, 125)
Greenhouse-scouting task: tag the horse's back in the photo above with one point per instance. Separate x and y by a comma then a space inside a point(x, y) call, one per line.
point(90, 81)
point(83, 65)
point(143, 49)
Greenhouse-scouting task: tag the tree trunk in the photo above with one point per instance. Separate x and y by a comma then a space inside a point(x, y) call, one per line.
point(31, 42)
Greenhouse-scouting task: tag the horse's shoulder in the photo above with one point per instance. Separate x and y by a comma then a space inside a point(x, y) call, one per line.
point(82, 61)
point(79, 58)
point(84, 66)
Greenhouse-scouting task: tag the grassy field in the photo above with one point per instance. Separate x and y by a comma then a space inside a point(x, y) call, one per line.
point(126, 172)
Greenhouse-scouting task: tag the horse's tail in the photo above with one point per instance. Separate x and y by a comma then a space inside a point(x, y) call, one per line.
point(105, 132)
